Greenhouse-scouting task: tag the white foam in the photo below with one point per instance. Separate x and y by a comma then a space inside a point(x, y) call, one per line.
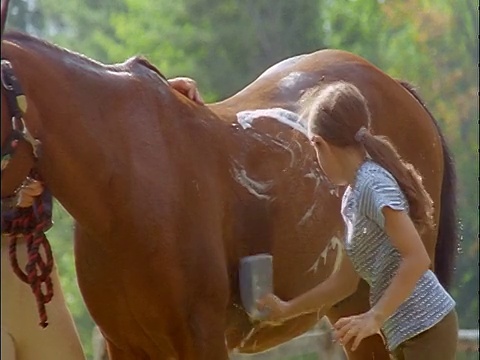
point(334, 244)
point(308, 214)
point(254, 187)
point(281, 66)
point(290, 80)
point(287, 117)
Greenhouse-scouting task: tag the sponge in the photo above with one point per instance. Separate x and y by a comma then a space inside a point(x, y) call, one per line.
point(256, 281)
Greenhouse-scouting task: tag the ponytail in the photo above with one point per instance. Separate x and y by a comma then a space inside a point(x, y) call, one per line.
point(382, 151)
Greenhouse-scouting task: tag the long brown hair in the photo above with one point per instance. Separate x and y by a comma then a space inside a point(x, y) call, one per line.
point(339, 114)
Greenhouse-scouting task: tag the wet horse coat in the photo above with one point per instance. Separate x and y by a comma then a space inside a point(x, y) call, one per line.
point(169, 195)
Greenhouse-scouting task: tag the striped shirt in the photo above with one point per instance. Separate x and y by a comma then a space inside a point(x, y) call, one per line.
point(376, 260)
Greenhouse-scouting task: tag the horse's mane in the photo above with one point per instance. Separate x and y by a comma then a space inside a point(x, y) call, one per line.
point(29, 41)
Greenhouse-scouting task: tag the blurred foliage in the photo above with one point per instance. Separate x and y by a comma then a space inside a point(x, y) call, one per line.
point(225, 44)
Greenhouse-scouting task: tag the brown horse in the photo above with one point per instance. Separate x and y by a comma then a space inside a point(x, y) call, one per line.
point(169, 195)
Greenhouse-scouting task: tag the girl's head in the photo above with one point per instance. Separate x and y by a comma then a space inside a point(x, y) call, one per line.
point(339, 129)
point(335, 114)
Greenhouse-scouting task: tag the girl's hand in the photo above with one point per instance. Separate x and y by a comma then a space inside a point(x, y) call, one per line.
point(357, 327)
point(278, 309)
point(187, 87)
point(27, 193)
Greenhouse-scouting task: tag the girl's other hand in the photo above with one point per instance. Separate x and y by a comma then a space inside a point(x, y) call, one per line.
point(27, 193)
point(357, 328)
point(187, 87)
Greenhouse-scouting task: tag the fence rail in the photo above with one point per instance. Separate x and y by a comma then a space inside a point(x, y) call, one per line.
point(317, 344)
point(468, 340)
point(313, 345)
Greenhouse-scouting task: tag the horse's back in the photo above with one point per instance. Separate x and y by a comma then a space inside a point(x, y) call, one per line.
point(284, 83)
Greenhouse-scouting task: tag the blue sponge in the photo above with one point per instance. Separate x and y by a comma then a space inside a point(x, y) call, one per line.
point(256, 280)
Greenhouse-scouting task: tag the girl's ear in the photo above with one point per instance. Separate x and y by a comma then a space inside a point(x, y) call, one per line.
point(318, 140)
point(314, 139)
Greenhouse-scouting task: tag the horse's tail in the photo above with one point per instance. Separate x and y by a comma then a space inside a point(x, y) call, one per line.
point(447, 238)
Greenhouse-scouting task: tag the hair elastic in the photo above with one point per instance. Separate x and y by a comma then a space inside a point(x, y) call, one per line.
point(361, 134)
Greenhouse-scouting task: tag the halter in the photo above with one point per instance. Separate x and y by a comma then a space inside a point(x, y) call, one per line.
point(17, 104)
point(31, 222)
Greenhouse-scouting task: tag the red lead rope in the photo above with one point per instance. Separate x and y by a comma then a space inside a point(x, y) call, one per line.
point(31, 223)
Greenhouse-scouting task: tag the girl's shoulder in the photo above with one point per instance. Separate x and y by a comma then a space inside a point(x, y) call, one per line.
point(372, 176)
point(376, 187)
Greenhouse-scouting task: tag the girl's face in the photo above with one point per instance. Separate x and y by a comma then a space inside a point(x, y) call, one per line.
point(328, 160)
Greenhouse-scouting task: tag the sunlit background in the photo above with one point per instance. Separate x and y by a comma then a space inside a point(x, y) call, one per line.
point(225, 44)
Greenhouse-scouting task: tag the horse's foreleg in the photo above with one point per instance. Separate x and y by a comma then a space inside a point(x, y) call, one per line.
point(207, 329)
point(8, 346)
point(115, 353)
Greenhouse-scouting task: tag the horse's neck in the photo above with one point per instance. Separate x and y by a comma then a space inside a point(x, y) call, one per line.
point(68, 116)
point(77, 166)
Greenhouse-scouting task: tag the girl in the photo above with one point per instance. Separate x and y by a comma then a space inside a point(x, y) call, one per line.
point(385, 207)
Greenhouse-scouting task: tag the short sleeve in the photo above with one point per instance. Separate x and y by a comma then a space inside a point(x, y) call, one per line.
point(378, 191)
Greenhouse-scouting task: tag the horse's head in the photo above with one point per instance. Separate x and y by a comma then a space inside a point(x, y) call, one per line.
point(17, 152)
